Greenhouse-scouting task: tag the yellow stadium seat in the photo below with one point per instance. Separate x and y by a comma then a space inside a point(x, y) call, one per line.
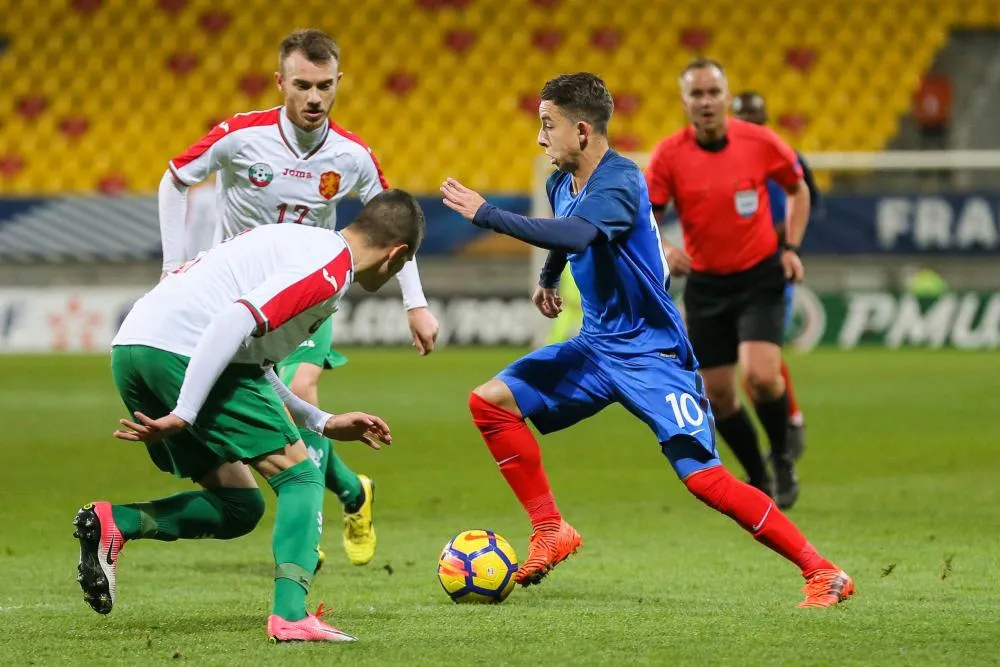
point(464, 116)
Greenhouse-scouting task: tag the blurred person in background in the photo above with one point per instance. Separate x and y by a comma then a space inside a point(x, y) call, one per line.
point(715, 172)
point(751, 107)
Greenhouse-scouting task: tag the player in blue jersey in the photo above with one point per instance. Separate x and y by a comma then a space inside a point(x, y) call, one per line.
point(632, 348)
point(751, 107)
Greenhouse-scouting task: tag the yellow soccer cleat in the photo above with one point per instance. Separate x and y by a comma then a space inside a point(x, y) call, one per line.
point(359, 527)
point(320, 559)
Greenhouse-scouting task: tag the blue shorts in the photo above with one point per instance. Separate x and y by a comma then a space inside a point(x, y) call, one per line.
point(789, 306)
point(562, 384)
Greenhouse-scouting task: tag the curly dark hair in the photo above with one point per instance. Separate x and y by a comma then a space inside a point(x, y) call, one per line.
point(581, 96)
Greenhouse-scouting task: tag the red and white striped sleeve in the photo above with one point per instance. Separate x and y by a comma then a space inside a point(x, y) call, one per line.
point(291, 292)
point(371, 180)
point(213, 151)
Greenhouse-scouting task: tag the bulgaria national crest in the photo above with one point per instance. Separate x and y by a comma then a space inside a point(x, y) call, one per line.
point(329, 184)
point(261, 174)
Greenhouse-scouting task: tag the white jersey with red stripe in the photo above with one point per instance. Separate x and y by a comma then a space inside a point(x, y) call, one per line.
point(290, 277)
point(265, 178)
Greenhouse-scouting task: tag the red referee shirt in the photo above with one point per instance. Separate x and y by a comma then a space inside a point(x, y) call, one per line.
point(721, 197)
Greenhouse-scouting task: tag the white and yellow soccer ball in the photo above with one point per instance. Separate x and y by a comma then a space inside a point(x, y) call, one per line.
point(477, 566)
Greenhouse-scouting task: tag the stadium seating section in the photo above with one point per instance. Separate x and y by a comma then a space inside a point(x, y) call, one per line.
point(98, 94)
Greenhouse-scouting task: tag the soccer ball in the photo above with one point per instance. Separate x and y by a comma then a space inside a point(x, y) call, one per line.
point(477, 566)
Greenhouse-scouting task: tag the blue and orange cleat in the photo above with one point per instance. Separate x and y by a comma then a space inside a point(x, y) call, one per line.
point(550, 545)
point(309, 629)
point(100, 544)
point(826, 588)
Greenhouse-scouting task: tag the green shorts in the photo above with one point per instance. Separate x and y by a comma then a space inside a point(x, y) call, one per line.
point(316, 350)
point(243, 417)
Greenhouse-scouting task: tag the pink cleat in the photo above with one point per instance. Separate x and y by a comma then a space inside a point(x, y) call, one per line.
point(100, 544)
point(309, 629)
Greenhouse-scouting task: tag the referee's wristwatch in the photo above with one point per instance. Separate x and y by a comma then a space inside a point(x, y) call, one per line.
point(791, 248)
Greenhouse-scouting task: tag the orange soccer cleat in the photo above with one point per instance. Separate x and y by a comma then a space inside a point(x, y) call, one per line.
point(550, 545)
point(826, 588)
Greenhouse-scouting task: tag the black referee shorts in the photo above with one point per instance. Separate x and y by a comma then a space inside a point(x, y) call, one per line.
point(723, 311)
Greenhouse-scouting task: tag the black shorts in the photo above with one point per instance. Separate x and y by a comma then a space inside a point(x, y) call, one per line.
point(723, 311)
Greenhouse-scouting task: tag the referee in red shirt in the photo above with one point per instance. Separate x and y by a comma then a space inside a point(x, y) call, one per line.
point(715, 172)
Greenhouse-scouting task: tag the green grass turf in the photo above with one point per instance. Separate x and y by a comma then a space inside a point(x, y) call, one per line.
point(900, 487)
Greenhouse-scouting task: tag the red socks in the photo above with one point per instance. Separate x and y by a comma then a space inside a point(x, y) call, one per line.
point(516, 451)
point(794, 412)
point(758, 514)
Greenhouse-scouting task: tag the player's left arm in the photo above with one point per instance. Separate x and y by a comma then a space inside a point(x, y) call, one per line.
point(424, 326)
point(568, 234)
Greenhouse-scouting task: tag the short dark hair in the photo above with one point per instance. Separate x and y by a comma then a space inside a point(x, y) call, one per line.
point(391, 217)
point(581, 96)
point(702, 63)
point(750, 105)
point(317, 46)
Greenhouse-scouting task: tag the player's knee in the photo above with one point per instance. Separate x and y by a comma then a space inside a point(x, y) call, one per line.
point(496, 393)
point(242, 508)
point(490, 417)
point(765, 383)
point(723, 400)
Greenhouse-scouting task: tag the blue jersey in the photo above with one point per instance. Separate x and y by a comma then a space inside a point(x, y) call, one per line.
point(623, 279)
point(778, 197)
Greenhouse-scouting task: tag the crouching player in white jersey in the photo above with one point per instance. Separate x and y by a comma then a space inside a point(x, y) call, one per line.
point(292, 164)
point(193, 362)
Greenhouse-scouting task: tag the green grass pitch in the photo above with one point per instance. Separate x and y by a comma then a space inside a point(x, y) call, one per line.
point(900, 486)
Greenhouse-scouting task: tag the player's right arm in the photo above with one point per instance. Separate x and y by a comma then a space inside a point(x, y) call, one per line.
point(210, 153)
point(265, 308)
point(658, 182)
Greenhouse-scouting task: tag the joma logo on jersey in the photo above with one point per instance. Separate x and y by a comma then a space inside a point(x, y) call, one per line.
point(329, 184)
point(261, 174)
point(297, 173)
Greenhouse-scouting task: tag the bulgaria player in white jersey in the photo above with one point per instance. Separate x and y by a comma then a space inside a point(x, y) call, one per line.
point(193, 361)
point(292, 164)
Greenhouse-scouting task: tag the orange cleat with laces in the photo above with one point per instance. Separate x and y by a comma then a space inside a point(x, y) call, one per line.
point(550, 545)
point(308, 629)
point(826, 588)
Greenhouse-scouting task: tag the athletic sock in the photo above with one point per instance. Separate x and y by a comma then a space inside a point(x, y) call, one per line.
point(773, 417)
point(339, 479)
point(211, 513)
point(516, 451)
point(741, 436)
point(795, 417)
point(297, 526)
point(757, 514)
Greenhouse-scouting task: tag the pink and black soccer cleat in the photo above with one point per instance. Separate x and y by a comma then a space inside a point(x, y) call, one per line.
point(100, 544)
point(308, 629)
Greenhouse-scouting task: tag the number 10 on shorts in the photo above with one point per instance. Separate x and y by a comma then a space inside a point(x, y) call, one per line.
point(687, 412)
